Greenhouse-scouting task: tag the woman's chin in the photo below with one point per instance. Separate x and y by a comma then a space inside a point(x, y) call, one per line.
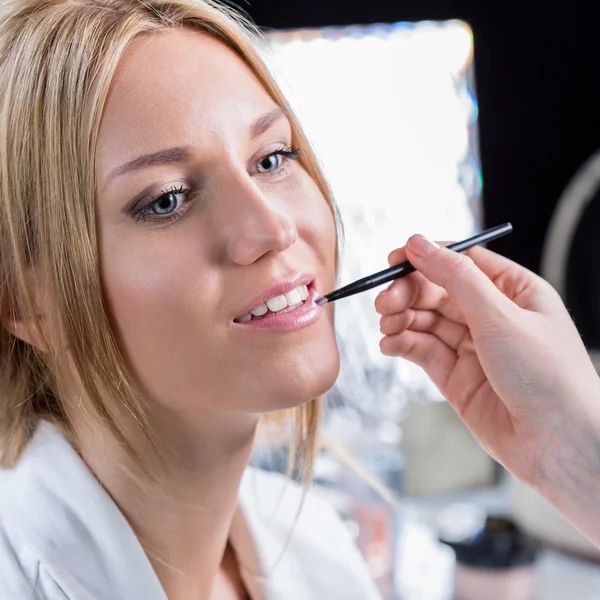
point(294, 386)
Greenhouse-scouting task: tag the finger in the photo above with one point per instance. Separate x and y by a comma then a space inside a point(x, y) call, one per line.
point(401, 294)
point(492, 264)
point(397, 256)
point(425, 350)
point(521, 285)
point(426, 321)
point(469, 287)
point(413, 291)
point(462, 382)
point(416, 291)
point(495, 265)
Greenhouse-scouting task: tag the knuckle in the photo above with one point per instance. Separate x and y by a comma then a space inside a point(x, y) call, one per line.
point(461, 264)
point(548, 289)
point(384, 325)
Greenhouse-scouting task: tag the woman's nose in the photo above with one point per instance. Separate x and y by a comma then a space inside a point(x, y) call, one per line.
point(255, 223)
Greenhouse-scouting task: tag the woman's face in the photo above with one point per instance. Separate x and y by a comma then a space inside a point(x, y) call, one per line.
point(202, 216)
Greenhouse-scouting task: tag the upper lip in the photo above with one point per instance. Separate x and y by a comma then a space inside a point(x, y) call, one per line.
point(278, 289)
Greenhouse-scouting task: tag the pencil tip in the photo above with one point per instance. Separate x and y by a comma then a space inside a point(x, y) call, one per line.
point(320, 301)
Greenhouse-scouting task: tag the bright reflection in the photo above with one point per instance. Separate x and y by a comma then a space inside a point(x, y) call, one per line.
point(391, 112)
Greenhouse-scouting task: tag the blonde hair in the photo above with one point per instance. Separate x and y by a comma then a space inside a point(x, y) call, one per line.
point(57, 60)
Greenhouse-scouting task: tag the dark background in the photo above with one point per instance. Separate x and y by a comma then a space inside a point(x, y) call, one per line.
point(537, 70)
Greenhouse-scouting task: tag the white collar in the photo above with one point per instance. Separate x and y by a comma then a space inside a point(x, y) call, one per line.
point(75, 529)
point(65, 518)
point(72, 525)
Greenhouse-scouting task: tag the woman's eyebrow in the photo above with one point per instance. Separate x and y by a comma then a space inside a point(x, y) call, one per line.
point(264, 122)
point(182, 153)
point(162, 157)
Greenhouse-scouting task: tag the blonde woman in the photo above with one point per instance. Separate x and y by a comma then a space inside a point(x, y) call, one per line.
point(165, 229)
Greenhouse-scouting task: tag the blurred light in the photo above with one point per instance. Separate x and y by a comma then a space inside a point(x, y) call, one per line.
point(391, 111)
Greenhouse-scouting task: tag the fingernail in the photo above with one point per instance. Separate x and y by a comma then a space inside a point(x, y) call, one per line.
point(386, 290)
point(422, 246)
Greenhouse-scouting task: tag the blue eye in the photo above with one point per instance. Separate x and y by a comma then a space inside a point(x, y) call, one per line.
point(274, 161)
point(167, 206)
point(167, 203)
point(269, 163)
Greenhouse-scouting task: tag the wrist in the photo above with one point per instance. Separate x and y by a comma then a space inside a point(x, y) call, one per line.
point(569, 471)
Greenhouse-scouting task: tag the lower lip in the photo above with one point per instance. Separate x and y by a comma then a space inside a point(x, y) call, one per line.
point(302, 316)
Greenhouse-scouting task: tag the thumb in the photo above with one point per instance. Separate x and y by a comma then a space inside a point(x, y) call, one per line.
point(468, 286)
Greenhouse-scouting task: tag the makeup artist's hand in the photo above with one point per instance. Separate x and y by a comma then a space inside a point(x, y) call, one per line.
point(500, 345)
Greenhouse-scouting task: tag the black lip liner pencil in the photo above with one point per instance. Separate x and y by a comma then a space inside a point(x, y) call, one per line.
point(367, 283)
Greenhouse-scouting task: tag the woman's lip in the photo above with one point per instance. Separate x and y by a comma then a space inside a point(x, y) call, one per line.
point(279, 290)
point(303, 315)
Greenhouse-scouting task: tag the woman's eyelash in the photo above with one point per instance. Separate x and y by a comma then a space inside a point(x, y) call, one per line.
point(145, 211)
point(291, 153)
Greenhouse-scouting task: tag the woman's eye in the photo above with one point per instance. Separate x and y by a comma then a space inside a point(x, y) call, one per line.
point(274, 161)
point(167, 203)
point(166, 206)
point(270, 163)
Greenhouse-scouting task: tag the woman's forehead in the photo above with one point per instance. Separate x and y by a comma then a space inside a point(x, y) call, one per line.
point(177, 84)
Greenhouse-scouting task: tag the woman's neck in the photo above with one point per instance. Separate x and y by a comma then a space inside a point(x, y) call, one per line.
point(183, 522)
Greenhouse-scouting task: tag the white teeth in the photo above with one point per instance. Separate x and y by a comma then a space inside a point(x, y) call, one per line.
point(260, 310)
point(294, 297)
point(277, 303)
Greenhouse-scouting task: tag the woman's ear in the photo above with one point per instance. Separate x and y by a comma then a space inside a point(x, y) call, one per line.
point(23, 323)
point(23, 328)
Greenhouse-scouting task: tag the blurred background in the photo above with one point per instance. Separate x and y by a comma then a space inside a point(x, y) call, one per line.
point(445, 118)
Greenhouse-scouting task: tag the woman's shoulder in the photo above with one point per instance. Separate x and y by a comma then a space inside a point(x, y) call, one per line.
point(25, 507)
point(61, 533)
point(21, 573)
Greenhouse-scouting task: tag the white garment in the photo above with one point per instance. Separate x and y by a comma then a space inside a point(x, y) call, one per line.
point(63, 537)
